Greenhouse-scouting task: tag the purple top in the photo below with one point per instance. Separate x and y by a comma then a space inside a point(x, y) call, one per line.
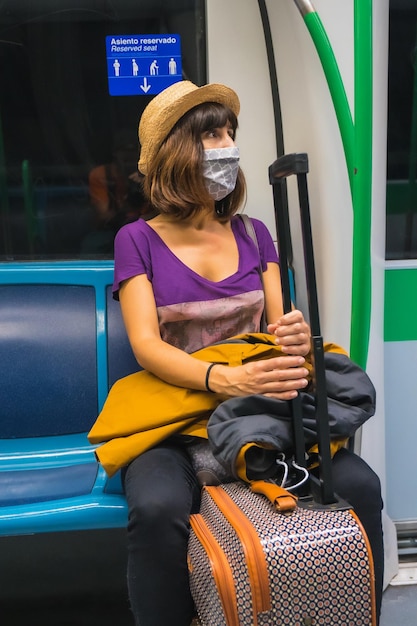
point(194, 312)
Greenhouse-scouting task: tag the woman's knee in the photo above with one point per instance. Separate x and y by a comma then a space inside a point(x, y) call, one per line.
point(154, 512)
point(159, 492)
point(354, 480)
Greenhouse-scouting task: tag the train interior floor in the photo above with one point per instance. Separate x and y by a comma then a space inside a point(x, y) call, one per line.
point(78, 579)
point(399, 608)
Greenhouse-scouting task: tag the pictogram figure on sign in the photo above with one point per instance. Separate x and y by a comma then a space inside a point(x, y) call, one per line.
point(172, 67)
point(154, 68)
point(116, 66)
point(135, 68)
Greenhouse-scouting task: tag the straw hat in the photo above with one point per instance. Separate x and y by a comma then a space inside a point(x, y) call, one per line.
point(164, 111)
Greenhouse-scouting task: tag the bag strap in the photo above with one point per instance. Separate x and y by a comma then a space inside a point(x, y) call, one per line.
point(250, 230)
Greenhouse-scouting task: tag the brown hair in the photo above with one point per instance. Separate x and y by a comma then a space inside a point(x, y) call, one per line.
point(174, 183)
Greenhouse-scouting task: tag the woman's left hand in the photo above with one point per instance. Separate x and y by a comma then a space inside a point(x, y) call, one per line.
point(292, 333)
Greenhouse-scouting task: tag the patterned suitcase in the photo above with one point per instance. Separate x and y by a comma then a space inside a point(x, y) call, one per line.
point(251, 565)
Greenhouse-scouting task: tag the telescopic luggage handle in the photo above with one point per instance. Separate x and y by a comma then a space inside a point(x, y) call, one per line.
point(288, 165)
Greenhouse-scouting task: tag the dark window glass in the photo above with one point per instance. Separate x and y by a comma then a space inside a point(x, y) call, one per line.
point(69, 150)
point(401, 240)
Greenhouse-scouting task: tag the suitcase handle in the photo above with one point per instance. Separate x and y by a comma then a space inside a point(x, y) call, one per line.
point(285, 166)
point(284, 501)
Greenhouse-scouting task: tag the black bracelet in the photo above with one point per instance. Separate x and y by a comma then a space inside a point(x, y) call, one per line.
point(210, 367)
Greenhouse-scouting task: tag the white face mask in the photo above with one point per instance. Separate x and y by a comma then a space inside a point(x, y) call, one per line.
point(220, 168)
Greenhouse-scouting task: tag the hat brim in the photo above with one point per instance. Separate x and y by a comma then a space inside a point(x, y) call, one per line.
point(167, 114)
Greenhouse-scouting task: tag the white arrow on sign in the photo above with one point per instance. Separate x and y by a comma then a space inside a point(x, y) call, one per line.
point(145, 85)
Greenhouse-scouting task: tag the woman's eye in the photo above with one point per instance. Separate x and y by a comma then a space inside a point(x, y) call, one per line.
point(218, 133)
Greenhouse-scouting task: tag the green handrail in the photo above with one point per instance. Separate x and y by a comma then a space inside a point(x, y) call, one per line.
point(362, 187)
point(357, 142)
point(29, 204)
point(4, 197)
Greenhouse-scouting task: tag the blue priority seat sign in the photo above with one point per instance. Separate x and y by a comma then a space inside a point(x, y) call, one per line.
point(140, 65)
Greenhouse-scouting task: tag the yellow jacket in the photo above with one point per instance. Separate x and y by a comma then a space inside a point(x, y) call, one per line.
point(142, 410)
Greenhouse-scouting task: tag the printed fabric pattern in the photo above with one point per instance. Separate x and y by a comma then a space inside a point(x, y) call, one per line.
point(220, 168)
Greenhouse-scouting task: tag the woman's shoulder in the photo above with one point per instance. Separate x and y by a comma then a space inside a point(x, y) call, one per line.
point(137, 231)
point(132, 252)
point(131, 228)
point(240, 222)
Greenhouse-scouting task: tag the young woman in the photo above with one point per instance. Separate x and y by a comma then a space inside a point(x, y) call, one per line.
point(185, 279)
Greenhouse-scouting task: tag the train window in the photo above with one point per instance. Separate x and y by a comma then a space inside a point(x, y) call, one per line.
point(401, 239)
point(69, 149)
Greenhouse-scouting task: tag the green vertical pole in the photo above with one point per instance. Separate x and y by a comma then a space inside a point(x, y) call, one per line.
point(362, 184)
point(4, 198)
point(29, 202)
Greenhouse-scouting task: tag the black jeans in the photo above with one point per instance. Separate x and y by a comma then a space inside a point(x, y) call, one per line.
point(162, 491)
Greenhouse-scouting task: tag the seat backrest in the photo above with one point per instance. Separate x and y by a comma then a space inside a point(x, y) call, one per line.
point(49, 381)
point(63, 345)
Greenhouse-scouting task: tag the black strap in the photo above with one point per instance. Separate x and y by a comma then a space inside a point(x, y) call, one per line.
point(252, 234)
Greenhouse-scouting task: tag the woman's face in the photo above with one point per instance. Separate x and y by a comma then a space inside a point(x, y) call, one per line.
point(216, 138)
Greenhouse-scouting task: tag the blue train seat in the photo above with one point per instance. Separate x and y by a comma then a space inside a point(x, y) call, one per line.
point(63, 345)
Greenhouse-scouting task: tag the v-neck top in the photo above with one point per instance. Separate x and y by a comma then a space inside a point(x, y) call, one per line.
point(194, 312)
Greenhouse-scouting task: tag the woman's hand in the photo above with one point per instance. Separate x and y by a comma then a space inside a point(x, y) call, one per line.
point(292, 333)
point(280, 377)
